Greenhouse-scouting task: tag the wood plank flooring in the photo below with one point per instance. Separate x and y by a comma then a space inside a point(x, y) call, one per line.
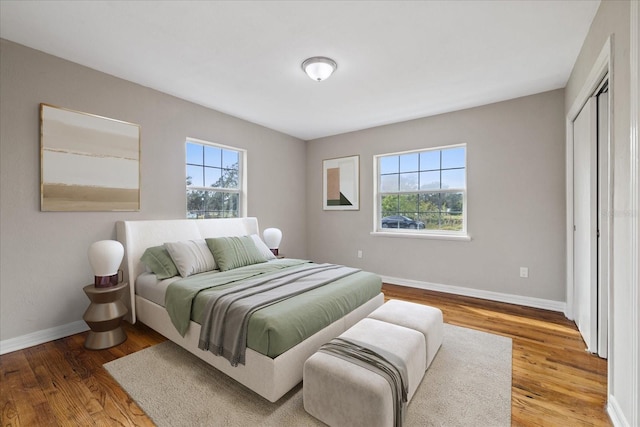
point(555, 382)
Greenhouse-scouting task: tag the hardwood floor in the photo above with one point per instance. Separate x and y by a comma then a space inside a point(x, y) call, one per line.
point(555, 382)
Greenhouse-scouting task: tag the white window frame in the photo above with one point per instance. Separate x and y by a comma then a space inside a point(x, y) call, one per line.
point(242, 175)
point(423, 233)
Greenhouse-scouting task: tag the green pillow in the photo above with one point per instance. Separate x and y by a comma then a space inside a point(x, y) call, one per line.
point(159, 262)
point(234, 252)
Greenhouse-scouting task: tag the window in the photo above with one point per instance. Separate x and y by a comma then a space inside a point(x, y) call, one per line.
point(422, 192)
point(215, 181)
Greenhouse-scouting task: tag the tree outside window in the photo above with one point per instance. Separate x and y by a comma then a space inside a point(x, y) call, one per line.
point(213, 180)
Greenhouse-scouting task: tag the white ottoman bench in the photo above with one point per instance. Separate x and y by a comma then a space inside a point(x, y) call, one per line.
point(341, 393)
point(422, 318)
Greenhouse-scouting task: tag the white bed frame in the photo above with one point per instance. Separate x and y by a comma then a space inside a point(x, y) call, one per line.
point(270, 378)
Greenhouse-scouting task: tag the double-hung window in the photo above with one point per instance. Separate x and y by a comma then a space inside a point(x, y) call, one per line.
point(422, 192)
point(215, 180)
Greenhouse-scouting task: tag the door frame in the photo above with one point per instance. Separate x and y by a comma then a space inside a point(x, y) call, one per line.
point(634, 109)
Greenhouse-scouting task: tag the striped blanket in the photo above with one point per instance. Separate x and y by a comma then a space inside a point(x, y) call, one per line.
point(226, 316)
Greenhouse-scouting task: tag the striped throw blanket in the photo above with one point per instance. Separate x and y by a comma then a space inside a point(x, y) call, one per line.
point(386, 364)
point(226, 316)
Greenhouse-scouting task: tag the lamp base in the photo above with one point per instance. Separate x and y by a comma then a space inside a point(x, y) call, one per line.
point(274, 251)
point(105, 281)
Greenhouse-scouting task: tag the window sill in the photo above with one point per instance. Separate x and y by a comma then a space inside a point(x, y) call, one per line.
point(414, 235)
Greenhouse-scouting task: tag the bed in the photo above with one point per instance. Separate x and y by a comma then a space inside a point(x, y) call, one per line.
point(270, 377)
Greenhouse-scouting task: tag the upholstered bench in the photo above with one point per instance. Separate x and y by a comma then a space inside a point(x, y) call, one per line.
point(422, 318)
point(341, 393)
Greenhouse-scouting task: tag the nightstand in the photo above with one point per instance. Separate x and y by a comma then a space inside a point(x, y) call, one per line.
point(104, 316)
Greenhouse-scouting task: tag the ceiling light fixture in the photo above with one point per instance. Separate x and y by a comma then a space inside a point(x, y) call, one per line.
point(319, 68)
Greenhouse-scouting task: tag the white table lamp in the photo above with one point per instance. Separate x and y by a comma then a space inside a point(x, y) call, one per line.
point(105, 257)
point(272, 237)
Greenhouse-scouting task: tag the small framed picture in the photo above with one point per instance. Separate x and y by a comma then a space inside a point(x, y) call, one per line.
point(341, 184)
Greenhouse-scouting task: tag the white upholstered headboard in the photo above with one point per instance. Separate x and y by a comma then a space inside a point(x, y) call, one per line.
point(137, 236)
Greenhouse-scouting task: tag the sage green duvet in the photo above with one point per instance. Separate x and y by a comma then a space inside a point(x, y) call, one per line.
point(279, 327)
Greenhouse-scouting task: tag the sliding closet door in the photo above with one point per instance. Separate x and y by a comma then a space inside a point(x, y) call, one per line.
point(585, 223)
point(603, 224)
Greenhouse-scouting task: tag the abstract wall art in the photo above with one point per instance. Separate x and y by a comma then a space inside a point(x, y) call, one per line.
point(88, 162)
point(341, 184)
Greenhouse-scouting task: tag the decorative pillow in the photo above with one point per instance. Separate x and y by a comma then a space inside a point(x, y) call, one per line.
point(159, 262)
point(191, 257)
point(262, 247)
point(234, 252)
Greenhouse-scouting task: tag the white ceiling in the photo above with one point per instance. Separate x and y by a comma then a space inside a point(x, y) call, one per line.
point(396, 60)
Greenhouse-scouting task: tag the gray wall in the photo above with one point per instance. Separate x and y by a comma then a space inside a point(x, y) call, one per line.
point(43, 263)
point(612, 19)
point(516, 203)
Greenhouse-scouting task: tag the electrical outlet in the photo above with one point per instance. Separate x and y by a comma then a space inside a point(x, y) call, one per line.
point(359, 253)
point(524, 272)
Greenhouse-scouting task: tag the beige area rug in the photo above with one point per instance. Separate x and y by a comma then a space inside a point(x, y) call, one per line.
point(468, 384)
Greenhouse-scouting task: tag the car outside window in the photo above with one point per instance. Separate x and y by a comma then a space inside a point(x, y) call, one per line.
point(214, 180)
point(422, 191)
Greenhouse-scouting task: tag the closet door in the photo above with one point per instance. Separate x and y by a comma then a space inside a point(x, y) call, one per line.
point(604, 251)
point(585, 223)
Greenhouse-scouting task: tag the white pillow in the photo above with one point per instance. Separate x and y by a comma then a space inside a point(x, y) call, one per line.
point(191, 256)
point(262, 247)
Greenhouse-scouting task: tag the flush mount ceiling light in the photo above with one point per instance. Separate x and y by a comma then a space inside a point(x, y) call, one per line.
point(319, 68)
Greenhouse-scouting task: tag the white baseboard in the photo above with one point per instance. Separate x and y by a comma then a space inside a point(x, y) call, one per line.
point(39, 337)
point(478, 293)
point(615, 413)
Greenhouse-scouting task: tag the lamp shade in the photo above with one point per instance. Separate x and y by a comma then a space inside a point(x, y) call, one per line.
point(272, 237)
point(105, 257)
point(319, 68)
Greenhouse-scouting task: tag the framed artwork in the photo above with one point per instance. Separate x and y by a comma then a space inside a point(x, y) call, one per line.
point(341, 184)
point(88, 162)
